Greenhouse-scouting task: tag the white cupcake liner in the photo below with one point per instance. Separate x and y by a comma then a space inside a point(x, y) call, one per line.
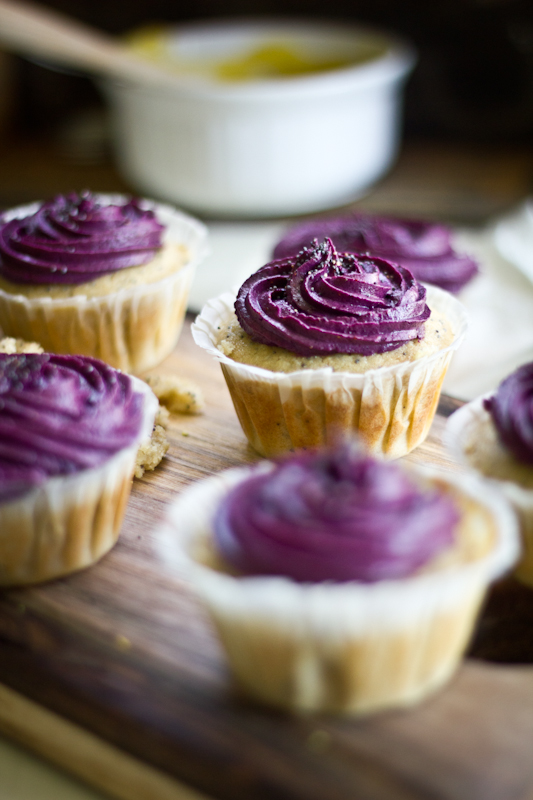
point(132, 329)
point(391, 408)
point(460, 428)
point(70, 522)
point(349, 647)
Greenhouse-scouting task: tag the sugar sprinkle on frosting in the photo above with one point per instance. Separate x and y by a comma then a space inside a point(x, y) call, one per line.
point(321, 301)
point(425, 248)
point(76, 238)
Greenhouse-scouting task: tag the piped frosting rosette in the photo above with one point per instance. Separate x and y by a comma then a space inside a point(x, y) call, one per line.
point(425, 248)
point(511, 408)
point(501, 423)
point(322, 301)
point(76, 240)
point(70, 428)
point(335, 516)
point(350, 645)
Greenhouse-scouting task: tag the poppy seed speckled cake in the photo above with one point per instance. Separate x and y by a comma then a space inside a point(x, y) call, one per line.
point(323, 343)
point(98, 275)
point(70, 428)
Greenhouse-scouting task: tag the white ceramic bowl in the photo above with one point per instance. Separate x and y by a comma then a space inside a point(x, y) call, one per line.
point(271, 147)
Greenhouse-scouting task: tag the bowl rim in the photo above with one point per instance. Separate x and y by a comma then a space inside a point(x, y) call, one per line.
point(393, 66)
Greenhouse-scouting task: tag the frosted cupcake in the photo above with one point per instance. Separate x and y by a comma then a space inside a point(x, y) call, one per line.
point(494, 436)
point(338, 582)
point(425, 248)
point(70, 428)
point(98, 275)
point(323, 344)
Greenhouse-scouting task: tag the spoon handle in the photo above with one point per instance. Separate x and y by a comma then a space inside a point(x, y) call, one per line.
point(34, 30)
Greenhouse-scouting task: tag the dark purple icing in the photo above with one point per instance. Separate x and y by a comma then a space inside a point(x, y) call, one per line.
point(322, 302)
point(76, 238)
point(333, 516)
point(511, 409)
point(60, 414)
point(424, 248)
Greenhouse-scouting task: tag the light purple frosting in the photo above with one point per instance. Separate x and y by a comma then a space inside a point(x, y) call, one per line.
point(60, 414)
point(511, 409)
point(322, 302)
point(76, 238)
point(333, 516)
point(424, 248)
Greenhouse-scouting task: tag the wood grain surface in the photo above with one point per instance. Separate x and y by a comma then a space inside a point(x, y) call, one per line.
point(125, 651)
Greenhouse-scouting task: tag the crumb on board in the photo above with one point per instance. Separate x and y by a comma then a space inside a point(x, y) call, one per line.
point(151, 452)
point(11, 346)
point(122, 642)
point(162, 417)
point(179, 395)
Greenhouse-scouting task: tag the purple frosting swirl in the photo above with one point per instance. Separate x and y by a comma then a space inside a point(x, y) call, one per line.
point(424, 248)
point(511, 409)
point(321, 302)
point(333, 516)
point(76, 238)
point(59, 415)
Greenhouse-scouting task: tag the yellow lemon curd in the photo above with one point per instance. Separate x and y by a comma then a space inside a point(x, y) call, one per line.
point(266, 61)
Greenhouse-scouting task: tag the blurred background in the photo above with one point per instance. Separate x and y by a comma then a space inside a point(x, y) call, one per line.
point(473, 81)
point(468, 103)
point(466, 152)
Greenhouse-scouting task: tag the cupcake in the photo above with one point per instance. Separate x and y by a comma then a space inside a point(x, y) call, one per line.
point(98, 275)
point(493, 435)
point(425, 248)
point(70, 428)
point(323, 344)
point(338, 582)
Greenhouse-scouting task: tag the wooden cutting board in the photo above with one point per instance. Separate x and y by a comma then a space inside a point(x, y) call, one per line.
point(116, 675)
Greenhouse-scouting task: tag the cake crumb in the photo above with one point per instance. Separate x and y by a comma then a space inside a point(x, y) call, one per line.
point(162, 417)
point(151, 453)
point(226, 347)
point(11, 346)
point(178, 395)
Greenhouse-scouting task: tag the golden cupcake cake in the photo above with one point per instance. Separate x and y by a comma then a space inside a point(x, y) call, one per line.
point(98, 275)
point(493, 435)
point(321, 344)
point(338, 582)
point(70, 429)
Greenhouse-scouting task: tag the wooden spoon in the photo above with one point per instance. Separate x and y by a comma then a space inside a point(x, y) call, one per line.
point(36, 31)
